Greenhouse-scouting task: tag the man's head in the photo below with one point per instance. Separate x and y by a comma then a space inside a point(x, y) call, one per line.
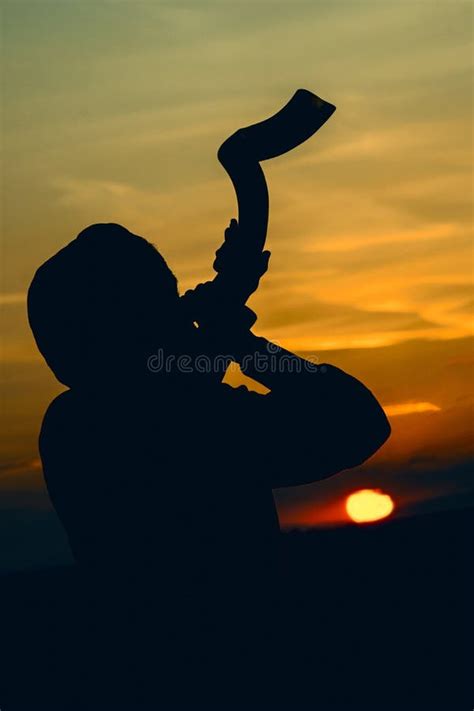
point(107, 299)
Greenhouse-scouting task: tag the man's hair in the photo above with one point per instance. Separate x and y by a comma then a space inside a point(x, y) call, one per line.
point(106, 285)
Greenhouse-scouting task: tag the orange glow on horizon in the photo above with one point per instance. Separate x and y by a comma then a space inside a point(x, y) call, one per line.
point(369, 505)
point(409, 408)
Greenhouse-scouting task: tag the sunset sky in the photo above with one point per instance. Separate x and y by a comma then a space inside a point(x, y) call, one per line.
point(113, 112)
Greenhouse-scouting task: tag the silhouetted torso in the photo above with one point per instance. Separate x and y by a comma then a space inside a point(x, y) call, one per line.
point(161, 479)
point(167, 502)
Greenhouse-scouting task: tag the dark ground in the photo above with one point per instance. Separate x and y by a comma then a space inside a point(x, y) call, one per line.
point(380, 614)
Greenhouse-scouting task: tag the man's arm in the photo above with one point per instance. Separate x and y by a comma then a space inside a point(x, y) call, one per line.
point(316, 421)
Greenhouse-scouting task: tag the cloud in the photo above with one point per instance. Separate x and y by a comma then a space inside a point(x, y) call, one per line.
point(343, 317)
point(395, 252)
point(467, 307)
point(410, 408)
point(351, 242)
point(19, 468)
point(22, 485)
point(387, 143)
point(12, 299)
point(443, 291)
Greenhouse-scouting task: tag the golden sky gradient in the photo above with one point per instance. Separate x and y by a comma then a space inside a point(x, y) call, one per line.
point(114, 110)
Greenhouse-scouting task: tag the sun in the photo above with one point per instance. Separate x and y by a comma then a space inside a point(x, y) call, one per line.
point(369, 505)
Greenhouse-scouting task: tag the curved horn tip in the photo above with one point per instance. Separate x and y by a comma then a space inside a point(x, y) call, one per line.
point(314, 99)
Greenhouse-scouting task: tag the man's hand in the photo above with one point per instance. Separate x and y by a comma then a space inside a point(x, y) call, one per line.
point(239, 267)
point(224, 328)
point(220, 304)
point(216, 311)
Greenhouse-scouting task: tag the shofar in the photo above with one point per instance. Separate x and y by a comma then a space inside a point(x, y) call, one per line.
point(241, 154)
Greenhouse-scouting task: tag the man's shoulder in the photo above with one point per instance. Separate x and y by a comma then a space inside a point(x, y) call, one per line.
point(69, 428)
point(57, 422)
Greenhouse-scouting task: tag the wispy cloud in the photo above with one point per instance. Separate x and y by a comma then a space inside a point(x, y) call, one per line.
point(13, 298)
point(410, 408)
point(347, 243)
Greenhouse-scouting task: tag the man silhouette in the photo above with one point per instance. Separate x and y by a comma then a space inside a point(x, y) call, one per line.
point(162, 476)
